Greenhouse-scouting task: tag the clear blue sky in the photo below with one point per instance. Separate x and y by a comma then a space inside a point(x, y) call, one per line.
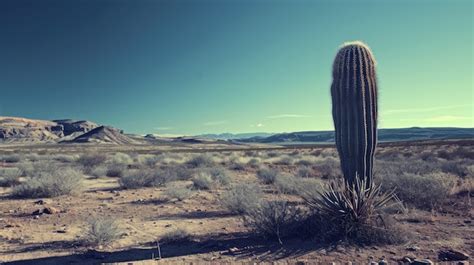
point(190, 67)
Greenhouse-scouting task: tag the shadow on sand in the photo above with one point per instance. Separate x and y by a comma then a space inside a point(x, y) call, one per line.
point(240, 245)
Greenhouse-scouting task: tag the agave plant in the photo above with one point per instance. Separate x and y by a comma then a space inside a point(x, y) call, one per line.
point(352, 206)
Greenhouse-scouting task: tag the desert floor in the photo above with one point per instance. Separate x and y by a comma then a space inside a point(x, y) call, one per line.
point(146, 215)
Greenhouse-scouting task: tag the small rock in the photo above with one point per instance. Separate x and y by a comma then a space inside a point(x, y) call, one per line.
point(422, 262)
point(463, 263)
point(452, 255)
point(467, 221)
point(36, 217)
point(383, 262)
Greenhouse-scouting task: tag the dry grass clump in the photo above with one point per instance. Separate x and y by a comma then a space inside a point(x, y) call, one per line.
point(178, 191)
point(202, 181)
point(90, 161)
point(61, 181)
point(101, 231)
point(120, 158)
point(422, 191)
point(273, 219)
point(115, 170)
point(267, 175)
point(202, 160)
point(254, 162)
point(148, 160)
point(241, 198)
point(175, 236)
point(286, 161)
point(328, 168)
point(288, 184)
point(64, 158)
point(138, 178)
point(9, 177)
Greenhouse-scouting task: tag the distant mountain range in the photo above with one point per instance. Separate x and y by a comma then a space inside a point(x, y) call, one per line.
point(231, 136)
point(22, 130)
point(384, 135)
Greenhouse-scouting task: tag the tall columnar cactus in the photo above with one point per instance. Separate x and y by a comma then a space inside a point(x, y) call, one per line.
point(354, 110)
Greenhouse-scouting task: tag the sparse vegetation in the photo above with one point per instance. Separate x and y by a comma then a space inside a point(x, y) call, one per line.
point(273, 219)
point(202, 181)
point(423, 191)
point(177, 191)
point(177, 235)
point(101, 231)
point(267, 175)
point(49, 184)
point(202, 160)
point(9, 177)
point(241, 198)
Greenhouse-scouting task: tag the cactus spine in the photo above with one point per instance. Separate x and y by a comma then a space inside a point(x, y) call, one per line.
point(354, 110)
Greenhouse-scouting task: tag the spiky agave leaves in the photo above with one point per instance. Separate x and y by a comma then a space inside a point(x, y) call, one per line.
point(352, 206)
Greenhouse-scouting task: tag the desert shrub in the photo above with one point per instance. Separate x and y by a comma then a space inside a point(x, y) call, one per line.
point(327, 169)
point(120, 158)
point(65, 158)
point(202, 160)
point(304, 162)
point(287, 184)
point(177, 191)
point(180, 172)
point(175, 236)
point(101, 231)
point(115, 170)
point(272, 154)
point(273, 219)
point(219, 175)
point(422, 191)
point(90, 161)
point(237, 164)
point(463, 153)
point(254, 162)
point(98, 172)
point(455, 168)
point(250, 153)
point(328, 153)
point(286, 160)
point(202, 181)
point(49, 184)
point(305, 172)
point(338, 216)
point(134, 179)
point(241, 198)
point(148, 160)
point(10, 158)
point(316, 152)
point(426, 156)
point(444, 154)
point(9, 177)
point(267, 175)
point(419, 167)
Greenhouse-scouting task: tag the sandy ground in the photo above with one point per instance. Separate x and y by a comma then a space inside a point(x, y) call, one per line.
point(217, 236)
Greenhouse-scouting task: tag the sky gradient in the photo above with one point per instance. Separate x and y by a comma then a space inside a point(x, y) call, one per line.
point(192, 67)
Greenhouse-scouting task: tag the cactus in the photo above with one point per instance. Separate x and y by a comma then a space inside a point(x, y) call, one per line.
point(354, 110)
